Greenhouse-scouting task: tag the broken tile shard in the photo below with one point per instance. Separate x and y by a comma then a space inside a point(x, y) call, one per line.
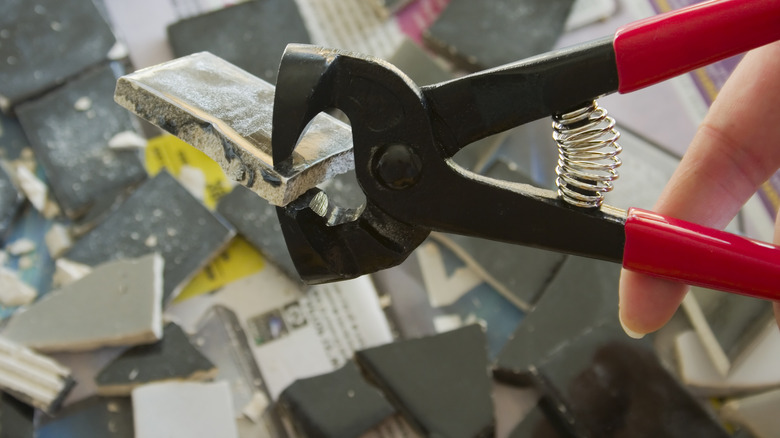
point(602, 383)
point(72, 145)
point(107, 417)
point(339, 404)
point(118, 303)
point(32, 378)
point(226, 113)
point(256, 220)
point(757, 413)
point(188, 235)
point(583, 292)
point(45, 42)
point(479, 35)
point(184, 410)
point(252, 35)
point(14, 291)
point(419, 376)
point(172, 358)
point(16, 418)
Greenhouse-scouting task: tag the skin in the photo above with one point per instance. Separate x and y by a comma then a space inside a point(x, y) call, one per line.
point(734, 151)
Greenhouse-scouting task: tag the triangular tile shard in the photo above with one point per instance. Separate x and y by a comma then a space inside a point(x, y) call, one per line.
point(441, 383)
point(172, 358)
point(340, 404)
point(118, 303)
point(161, 216)
point(32, 378)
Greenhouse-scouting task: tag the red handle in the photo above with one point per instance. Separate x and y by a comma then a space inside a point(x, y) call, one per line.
point(661, 47)
point(678, 250)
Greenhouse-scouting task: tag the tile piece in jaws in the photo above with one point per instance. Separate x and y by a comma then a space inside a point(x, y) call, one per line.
point(227, 113)
point(118, 303)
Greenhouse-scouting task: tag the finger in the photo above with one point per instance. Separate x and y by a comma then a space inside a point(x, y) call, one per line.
point(735, 150)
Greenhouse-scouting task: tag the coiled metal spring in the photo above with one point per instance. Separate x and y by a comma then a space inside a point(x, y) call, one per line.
point(587, 155)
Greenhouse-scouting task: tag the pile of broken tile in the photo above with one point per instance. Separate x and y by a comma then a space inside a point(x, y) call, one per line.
point(455, 342)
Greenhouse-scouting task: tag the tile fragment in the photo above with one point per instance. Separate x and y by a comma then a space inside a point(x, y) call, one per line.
point(14, 291)
point(36, 35)
point(537, 425)
point(72, 147)
point(10, 201)
point(12, 138)
point(118, 303)
point(583, 292)
point(33, 188)
point(417, 375)
point(256, 220)
point(484, 34)
point(602, 383)
point(339, 404)
point(58, 239)
point(252, 35)
point(183, 410)
point(16, 418)
point(105, 417)
point(756, 413)
point(127, 140)
point(225, 112)
point(188, 235)
point(20, 247)
point(171, 358)
point(32, 378)
point(67, 271)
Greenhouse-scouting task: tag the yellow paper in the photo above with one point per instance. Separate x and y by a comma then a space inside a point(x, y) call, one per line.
point(167, 151)
point(239, 260)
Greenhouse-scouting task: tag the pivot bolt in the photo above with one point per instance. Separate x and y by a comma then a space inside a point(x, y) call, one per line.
point(398, 167)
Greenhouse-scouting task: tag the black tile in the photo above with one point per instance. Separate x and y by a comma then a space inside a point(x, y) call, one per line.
point(251, 35)
point(604, 384)
point(340, 404)
point(12, 138)
point(72, 144)
point(583, 292)
point(42, 43)
point(16, 418)
point(173, 357)
point(481, 34)
point(439, 383)
point(537, 425)
point(10, 201)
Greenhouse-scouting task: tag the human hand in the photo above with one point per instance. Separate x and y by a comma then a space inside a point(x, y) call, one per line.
point(735, 150)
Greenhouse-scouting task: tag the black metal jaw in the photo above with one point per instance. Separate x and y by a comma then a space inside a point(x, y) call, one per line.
point(403, 139)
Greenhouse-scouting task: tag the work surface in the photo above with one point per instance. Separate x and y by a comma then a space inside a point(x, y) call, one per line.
point(164, 294)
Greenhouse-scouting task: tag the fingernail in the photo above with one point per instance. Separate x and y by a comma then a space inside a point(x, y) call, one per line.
point(630, 332)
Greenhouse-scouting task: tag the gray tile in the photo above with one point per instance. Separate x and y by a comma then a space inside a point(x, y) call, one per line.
point(72, 145)
point(537, 425)
point(118, 303)
point(227, 113)
point(251, 35)
point(42, 43)
point(583, 292)
point(107, 417)
point(481, 34)
point(172, 358)
point(439, 383)
point(256, 220)
point(603, 384)
point(164, 213)
point(339, 404)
